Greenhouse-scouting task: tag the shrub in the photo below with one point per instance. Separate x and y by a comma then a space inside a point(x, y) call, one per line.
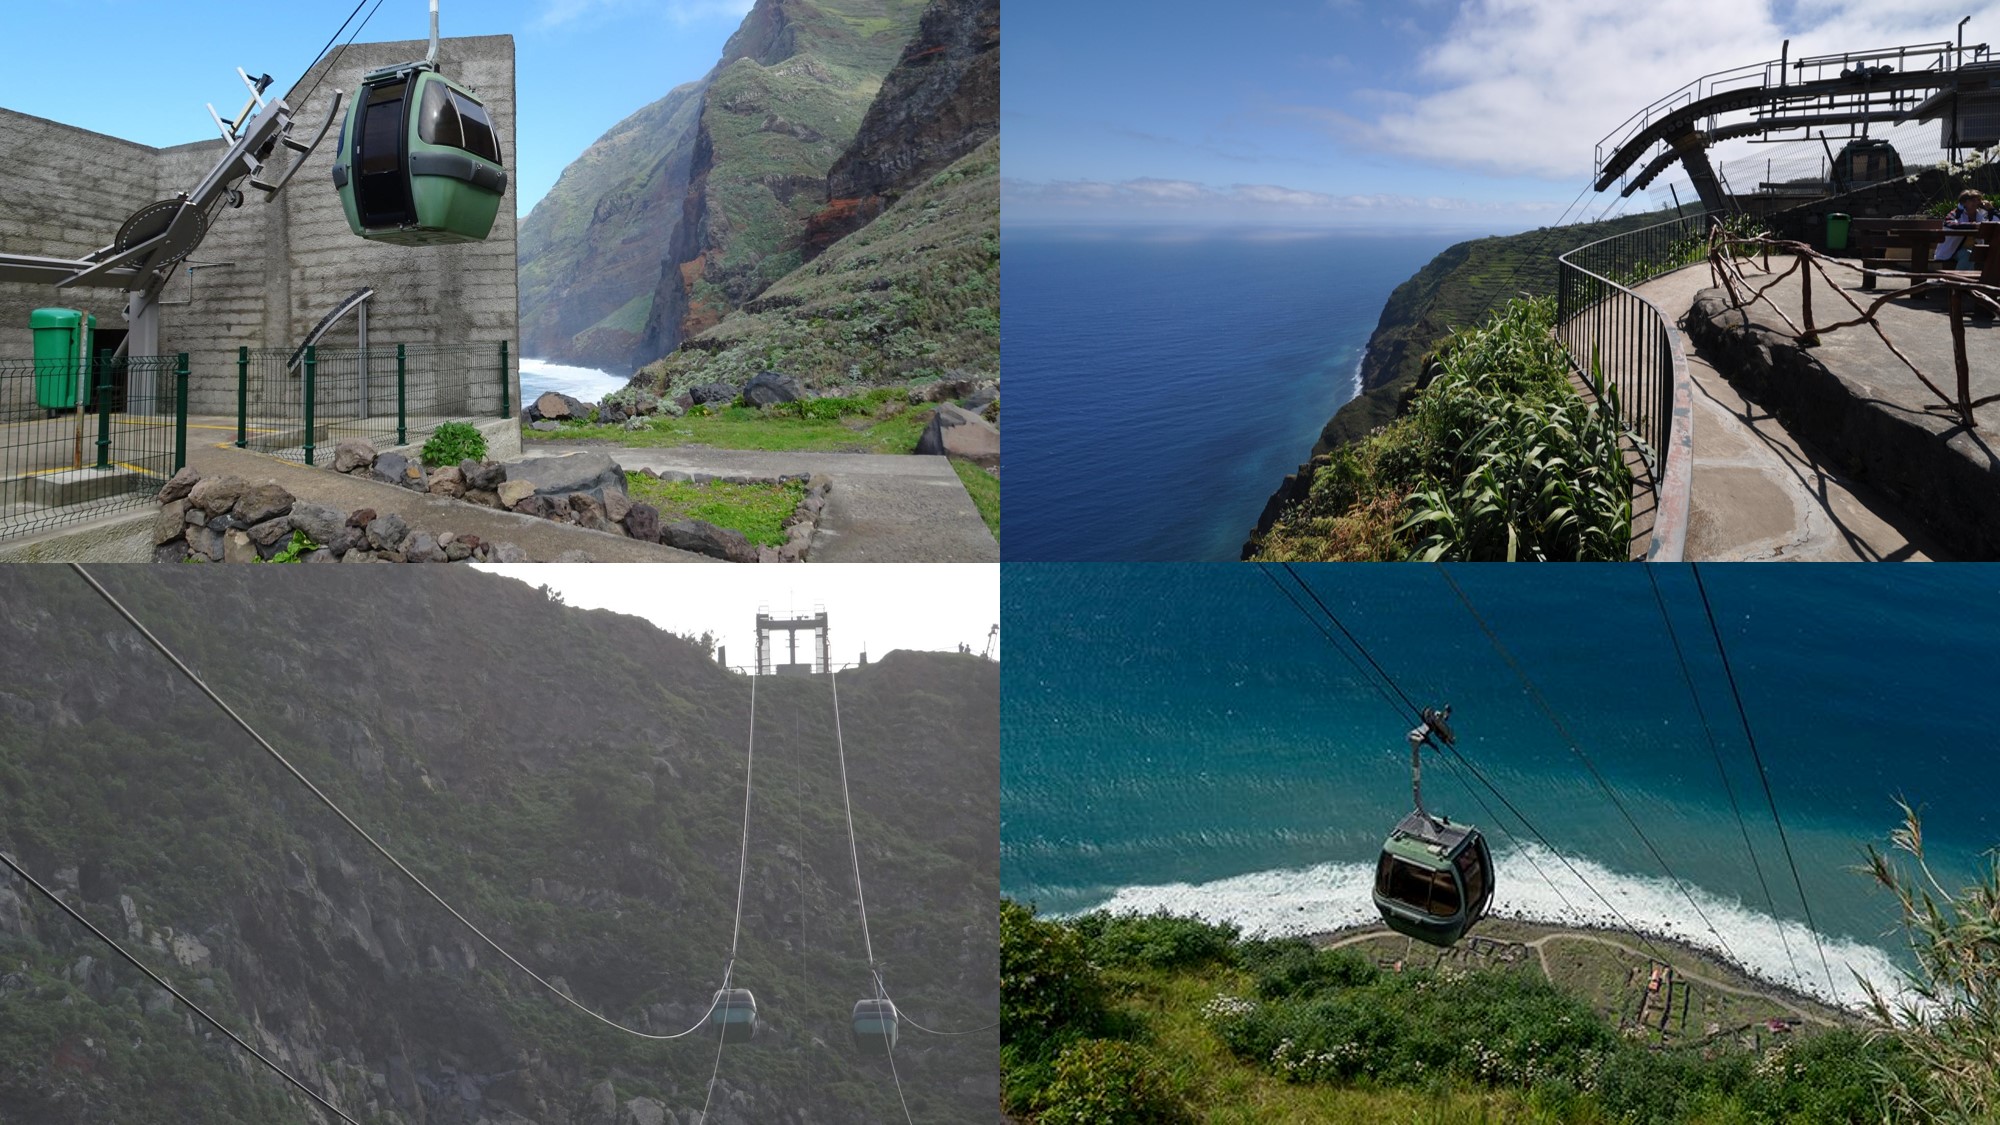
point(453, 442)
point(1156, 941)
point(1106, 1082)
point(1047, 984)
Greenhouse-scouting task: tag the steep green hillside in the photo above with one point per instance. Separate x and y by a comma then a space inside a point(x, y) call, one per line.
point(571, 780)
point(790, 94)
point(1173, 1021)
point(692, 205)
point(591, 249)
point(1460, 287)
point(914, 294)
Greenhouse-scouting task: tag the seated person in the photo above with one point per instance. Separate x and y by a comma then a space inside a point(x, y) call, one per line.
point(1971, 209)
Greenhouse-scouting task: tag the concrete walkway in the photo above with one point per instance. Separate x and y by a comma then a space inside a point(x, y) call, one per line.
point(543, 540)
point(1758, 493)
point(883, 507)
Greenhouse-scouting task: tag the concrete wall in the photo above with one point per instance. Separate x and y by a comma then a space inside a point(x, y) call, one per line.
point(65, 191)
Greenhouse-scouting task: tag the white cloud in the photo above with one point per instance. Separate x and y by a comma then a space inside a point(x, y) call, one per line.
point(1529, 86)
point(1180, 199)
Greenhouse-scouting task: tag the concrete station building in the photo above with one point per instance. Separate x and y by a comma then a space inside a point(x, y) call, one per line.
point(267, 272)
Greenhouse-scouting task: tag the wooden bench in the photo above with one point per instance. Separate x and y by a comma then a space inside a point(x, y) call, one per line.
point(1869, 240)
point(1985, 261)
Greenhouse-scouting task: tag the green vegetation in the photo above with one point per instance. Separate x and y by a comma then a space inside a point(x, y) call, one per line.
point(1185, 1021)
point(453, 442)
point(1950, 1019)
point(912, 296)
point(296, 550)
point(893, 427)
point(598, 842)
point(1496, 458)
point(756, 510)
point(984, 488)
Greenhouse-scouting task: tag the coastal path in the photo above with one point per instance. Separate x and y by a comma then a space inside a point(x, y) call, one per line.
point(883, 507)
point(1758, 492)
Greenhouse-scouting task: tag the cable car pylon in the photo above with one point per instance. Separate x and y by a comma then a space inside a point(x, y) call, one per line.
point(1435, 878)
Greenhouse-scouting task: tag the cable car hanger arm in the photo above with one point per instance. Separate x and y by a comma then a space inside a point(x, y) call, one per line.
point(1433, 724)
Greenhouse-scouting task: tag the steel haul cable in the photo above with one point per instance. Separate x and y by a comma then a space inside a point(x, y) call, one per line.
point(1475, 771)
point(1764, 777)
point(854, 852)
point(177, 994)
point(1715, 751)
point(1576, 748)
point(1491, 817)
point(736, 929)
point(384, 852)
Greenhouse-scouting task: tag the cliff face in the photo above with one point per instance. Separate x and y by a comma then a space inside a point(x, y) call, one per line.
point(591, 249)
point(1462, 286)
point(792, 89)
point(913, 294)
point(579, 797)
point(941, 102)
point(700, 201)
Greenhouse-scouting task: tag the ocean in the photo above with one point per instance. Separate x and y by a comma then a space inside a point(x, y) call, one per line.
point(1179, 737)
point(587, 383)
point(1161, 383)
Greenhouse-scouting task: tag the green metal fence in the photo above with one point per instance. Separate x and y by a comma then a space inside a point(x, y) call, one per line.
point(300, 405)
point(78, 441)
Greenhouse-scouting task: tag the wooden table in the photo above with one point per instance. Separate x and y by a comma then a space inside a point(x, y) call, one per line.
point(1923, 242)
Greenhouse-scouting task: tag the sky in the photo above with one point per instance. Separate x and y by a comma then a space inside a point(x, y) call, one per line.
point(875, 606)
point(1465, 114)
point(149, 67)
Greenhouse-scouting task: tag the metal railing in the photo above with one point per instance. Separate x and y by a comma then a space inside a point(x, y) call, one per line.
point(1628, 349)
point(300, 405)
point(67, 457)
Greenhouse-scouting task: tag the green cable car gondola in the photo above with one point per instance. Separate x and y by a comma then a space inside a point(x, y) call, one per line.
point(1435, 878)
point(875, 1026)
point(733, 1013)
point(419, 160)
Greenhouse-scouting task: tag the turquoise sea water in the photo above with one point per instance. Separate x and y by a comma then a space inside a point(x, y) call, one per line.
point(1178, 736)
point(1161, 383)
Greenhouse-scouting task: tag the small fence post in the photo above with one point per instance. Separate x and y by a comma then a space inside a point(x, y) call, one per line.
point(505, 382)
point(312, 363)
point(402, 436)
point(103, 414)
point(180, 411)
point(1958, 356)
point(242, 396)
point(1811, 337)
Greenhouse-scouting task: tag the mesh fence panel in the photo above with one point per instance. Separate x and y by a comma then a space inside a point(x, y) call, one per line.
point(66, 457)
point(299, 406)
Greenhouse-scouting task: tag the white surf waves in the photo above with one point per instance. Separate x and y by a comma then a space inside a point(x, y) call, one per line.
point(1332, 895)
point(586, 383)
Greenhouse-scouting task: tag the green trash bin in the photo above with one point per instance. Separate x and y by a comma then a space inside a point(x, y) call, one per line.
point(1836, 231)
point(63, 340)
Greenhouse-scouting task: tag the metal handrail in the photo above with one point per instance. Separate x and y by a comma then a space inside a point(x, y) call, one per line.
point(1628, 348)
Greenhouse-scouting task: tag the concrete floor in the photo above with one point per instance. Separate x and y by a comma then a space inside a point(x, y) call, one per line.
point(1758, 493)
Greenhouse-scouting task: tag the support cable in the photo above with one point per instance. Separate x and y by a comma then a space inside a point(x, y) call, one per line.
point(1459, 777)
point(335, 61)
point(854, 852)
point(1474, 770)
point(1764, 777)
point(1715, 751)
point(177, 994)
point(1576, 748)
point(384, 852)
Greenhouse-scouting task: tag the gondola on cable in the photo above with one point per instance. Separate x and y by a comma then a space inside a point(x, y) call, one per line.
point(418, 163)
point(1435, 878)
point(875, 1026)
point(733, 1015)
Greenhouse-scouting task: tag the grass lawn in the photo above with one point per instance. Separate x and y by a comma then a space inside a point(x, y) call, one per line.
point(985, 490)
point(756, 510)
point(741, 427)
